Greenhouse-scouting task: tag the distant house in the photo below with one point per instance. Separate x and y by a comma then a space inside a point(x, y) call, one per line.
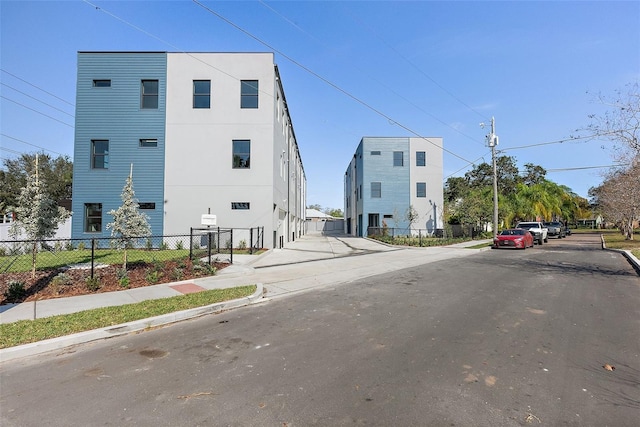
point(320, 222)
point(207, 133)
point(388, 175)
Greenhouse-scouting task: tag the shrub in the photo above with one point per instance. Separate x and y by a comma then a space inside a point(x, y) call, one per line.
point(92, 283)
point(179, 245)
point(204, 269)
point(228, 244)
point(68, 245)
point(61, 279)
point(149, 244)
point(177, 274)
point(242, 245)
point(164, 246)
point(81, 246)
point(123, 277)
point(3, 252)
point(16, 291)
point(153, 276)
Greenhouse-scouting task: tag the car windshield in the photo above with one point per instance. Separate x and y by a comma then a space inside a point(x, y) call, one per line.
point(526, 225)
point(512, 232)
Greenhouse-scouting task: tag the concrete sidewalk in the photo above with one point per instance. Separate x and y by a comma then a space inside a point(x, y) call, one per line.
point(310, 262)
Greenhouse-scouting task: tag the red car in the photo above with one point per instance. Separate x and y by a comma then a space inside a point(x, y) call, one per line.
point(513, 238)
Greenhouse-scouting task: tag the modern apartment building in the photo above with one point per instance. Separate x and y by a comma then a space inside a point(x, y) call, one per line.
point(206, 133)
point(388, 175)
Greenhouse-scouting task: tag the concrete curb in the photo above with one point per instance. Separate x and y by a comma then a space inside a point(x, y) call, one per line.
point(59, 343)
point(635, 262)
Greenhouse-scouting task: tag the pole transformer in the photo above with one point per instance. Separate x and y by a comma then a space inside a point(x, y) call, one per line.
point(492, 140)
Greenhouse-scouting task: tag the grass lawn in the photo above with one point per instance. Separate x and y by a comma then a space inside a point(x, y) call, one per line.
point(28, 331)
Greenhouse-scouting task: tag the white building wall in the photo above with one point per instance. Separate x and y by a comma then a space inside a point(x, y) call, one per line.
point(430, 207)
point(199, 177)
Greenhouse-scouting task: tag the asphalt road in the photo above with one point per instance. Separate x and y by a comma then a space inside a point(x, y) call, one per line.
point(548, 336)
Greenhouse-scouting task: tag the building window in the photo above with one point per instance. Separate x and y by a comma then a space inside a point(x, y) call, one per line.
point(240, 206)
point(241, 154)
point(421, 158)
point(149, 94)
point(201, 93)
point(375, 153)
point(421, 189)
point(248, 94)
point(100, 154)
point(93, 217)
point(147, 205)
point(102, 83)
point(398, 158)
point(376, 190)
point(146, 142)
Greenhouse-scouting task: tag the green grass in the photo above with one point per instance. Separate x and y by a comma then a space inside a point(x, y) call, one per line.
point(59, 259)
point(28, 331)
point(613, 239)
point(480, 246)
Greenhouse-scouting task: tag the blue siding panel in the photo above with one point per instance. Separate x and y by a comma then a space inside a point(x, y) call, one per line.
point(395, 181)
point(114, 113)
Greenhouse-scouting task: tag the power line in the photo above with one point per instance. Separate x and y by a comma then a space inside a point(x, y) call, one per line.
point(33, 145)
point(36, 111)
point(373, 78)
point(420, 70)
point(587, 167)
point(326, 81)
point(36, 99)
point(37, 87)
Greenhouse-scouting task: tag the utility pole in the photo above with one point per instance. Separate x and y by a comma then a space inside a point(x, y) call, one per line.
point(492, 140)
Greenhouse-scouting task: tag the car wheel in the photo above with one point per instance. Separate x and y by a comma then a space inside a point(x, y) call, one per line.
point(546, 240)
point(540, 241)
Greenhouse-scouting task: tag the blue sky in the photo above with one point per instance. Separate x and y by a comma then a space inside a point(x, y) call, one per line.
point(403, 68)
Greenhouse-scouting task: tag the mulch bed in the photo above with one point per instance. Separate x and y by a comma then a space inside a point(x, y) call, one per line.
point(74, 281)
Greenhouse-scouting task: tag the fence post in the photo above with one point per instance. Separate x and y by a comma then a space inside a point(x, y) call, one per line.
point(209, 245)
point(231, 247)
point(420, 236)
point(93, 255)
point(191, 243)
point(218, 241)
point(262, 240)
point(251, 241)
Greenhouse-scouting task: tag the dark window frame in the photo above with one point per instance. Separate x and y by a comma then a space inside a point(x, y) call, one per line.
point(149, 99)
point(240, 206)
point(376, 190)
point(249, 90)
point(201, 99)
point(421, 189)
point(148, 142)
point(240, 159)
point(94, 219)
point(101, 83)
point(398, 161)
point(104, 156)
point(421, 158)
point(150, 206)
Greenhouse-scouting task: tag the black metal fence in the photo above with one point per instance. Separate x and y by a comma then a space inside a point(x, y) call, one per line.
point(212, 245)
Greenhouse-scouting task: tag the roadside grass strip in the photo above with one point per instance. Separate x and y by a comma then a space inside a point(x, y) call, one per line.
point(28, 331)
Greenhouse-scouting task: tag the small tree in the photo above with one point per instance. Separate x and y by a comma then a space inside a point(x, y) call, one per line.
point(128, 223)
point(411, 215)
point(37, 215)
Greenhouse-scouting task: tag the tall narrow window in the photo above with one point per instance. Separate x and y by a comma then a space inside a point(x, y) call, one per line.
point(398, 158)
point(248, 94)
point(421, 189)
point(149, 94)
point(93, 217)
point(421, 158)
point(376, 190)
point(201, 93)
point(241, 154)
point(100, 154)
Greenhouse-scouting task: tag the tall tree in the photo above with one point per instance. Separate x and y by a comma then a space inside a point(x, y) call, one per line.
point(37, 214)
point(56, 174)
point(129, 224)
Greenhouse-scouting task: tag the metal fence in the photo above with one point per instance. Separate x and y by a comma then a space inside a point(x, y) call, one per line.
point(413, 237)
point(203, 244)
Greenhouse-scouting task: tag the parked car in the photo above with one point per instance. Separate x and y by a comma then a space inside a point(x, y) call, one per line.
point(518, 238)
point(539, 231)
point(556, 228)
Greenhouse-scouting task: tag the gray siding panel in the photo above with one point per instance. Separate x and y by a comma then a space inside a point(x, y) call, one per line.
point(114, 113)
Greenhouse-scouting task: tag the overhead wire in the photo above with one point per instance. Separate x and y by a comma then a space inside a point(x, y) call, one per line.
point(326, 81)
point(37, 87)
point(33, 145)
point(36, 111)
point(36, 99)
point(389, 88)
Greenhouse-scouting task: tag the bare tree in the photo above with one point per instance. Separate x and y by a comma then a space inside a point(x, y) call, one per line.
point(619, 198)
